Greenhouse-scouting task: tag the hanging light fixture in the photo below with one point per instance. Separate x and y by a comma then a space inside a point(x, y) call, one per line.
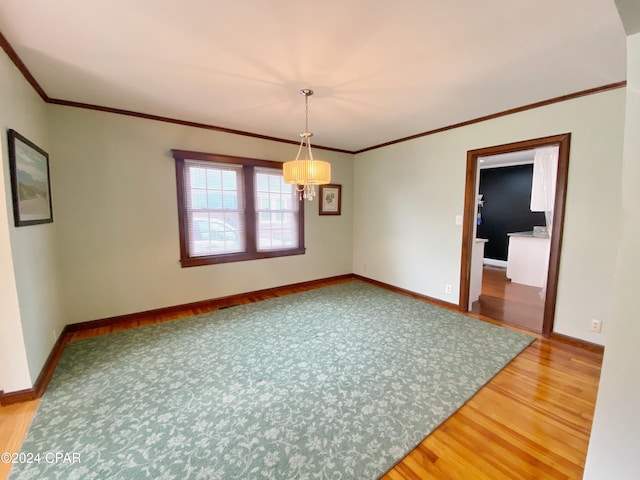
point(306, 173)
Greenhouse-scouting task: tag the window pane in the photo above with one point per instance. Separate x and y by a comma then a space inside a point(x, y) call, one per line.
point(229, 180)
point(198, 199)
point(287, 201)
point(215, 234)
point(262, 182)
point(263, 201)
point(197, 177)
point(214, 179)
point(230, 200)
point(276, 207)
point(214, 199)
point(274, 183)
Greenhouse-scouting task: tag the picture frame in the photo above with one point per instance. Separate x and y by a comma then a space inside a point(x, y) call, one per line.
point(330, 199)
point(30, 181)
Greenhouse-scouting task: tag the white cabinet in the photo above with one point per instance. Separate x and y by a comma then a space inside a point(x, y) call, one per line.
point(528, 258)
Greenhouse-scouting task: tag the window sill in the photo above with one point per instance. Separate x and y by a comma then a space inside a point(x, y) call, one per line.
point(238, 257)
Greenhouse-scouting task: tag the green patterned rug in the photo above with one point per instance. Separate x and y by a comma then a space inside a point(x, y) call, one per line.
point(335, 383)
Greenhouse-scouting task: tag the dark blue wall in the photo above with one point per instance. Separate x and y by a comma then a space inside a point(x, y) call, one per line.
point(507, 198)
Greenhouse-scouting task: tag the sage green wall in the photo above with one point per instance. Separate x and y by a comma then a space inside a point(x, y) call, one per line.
point(29, 309)
point(407, 196)
point(117, 220)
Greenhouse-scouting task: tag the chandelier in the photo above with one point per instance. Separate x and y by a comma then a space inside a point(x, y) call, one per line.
point(306, 173)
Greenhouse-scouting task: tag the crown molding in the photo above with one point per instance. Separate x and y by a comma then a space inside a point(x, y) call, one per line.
point(530, 106)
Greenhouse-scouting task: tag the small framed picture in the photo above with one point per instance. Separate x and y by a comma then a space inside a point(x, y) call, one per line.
point(30, 183)
point(330, 199)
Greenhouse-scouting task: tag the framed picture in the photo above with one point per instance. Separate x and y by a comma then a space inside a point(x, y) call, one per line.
point(30, 183)
point(330, 199)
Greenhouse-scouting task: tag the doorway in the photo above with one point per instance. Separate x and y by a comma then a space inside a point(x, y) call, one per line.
point(470, 215)
point(513, 265)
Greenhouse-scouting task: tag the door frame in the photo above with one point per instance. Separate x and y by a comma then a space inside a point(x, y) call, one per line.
point(564, 143)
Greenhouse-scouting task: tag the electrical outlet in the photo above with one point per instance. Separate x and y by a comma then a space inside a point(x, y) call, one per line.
point(447, 288)
point(596, 326)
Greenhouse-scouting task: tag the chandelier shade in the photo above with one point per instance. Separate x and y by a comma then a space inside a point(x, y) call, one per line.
point(306, 173)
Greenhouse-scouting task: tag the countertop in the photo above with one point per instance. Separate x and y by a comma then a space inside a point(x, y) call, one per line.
point(528, 234)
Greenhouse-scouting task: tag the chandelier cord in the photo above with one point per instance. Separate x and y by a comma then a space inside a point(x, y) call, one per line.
point(300, 148)
point(307, 133)
point(306, 113)
point(309, 149)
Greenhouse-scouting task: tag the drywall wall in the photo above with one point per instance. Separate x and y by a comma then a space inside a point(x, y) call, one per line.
point(116, 210)
point(14, 370)
point(407, 196)
point(29, 309)
point(615, 441)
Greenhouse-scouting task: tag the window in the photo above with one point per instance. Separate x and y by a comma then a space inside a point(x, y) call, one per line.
point(277, 206)
point(232, 209)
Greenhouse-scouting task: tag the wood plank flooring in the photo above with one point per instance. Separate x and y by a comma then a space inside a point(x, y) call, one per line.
point(507, 302)
point(531, 421)
point(14, 422)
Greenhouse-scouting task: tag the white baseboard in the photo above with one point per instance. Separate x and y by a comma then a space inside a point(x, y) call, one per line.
point(494, 263)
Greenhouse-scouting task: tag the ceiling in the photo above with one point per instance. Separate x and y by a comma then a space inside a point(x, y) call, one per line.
point(381, 69)
point(630, 15)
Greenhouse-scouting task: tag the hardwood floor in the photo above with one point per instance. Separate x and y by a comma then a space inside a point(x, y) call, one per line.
point(531, 421)
point(507, 302)
point(14, 422)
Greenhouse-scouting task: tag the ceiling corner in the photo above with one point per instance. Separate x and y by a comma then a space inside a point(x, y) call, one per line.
point(629, 11)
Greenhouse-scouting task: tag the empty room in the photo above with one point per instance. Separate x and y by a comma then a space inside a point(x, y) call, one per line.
point(245, 240)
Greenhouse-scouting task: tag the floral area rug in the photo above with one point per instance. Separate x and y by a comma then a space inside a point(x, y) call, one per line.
point(335, 383)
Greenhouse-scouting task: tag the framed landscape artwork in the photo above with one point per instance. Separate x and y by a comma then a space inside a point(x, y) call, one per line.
point(330, 199)
point(30, 183)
